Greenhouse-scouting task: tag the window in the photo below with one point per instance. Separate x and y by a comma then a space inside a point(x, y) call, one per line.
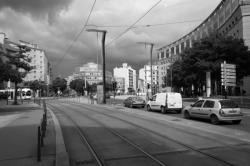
point(198, 103)
point(228, 104)
point(162, 55)
point(208, 104)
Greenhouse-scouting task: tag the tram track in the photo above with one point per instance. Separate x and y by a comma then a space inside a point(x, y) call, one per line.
point(151, 131)
point(98, 158)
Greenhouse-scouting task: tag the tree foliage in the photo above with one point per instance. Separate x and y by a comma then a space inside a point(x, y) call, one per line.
point(78, 85)
point(16, 67)
point(207, 55)
point(59, 84)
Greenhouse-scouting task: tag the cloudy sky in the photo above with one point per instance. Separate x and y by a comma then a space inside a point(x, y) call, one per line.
point(54, 24)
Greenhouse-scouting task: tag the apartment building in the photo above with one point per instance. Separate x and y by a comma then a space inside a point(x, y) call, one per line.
point(129, 75)
point(42, 69)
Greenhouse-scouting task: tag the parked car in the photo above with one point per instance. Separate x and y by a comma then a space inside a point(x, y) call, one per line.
point(214, 109)
point(134, 101)
point(165, 102)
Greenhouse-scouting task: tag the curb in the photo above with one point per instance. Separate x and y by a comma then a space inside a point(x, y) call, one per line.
point(62, 158)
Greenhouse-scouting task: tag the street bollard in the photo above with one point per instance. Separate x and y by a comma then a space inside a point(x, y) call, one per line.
point(44, 124)
point(38, 144)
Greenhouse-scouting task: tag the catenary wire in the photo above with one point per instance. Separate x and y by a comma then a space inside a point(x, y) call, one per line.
point(76, 37)
point(146, 25)
point(131, 26)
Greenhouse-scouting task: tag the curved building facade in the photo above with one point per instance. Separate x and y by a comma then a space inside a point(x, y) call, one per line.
point(230, 17)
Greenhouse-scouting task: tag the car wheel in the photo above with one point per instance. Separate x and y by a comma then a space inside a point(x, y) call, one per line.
point(148, 108)
point(178, 111)
point(214, 119)
point(236, 121)
point(187, 115)
point(163, 110)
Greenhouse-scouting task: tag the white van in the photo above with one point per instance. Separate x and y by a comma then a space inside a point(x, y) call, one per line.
point(165, 101)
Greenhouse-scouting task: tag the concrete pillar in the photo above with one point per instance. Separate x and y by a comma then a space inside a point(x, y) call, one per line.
point(208, 83)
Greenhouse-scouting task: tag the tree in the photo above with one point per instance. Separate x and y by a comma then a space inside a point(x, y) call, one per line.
point(78, 85)
point(59, 84)
point(207, 55)
point(16, 67)
point(36, 85)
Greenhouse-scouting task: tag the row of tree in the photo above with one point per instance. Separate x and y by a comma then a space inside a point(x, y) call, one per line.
point(207, 55)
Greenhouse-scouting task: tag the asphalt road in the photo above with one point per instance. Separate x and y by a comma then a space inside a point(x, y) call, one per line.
point(105, 135)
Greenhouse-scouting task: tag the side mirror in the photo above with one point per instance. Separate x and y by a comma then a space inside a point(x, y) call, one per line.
point(191, 105)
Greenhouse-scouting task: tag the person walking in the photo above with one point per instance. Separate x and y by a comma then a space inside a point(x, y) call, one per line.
point(91, 99)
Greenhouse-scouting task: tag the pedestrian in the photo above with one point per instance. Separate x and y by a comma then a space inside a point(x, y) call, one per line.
point(91, 99)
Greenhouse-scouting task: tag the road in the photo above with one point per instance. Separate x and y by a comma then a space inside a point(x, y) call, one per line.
point(243, 126)
point(114, 135)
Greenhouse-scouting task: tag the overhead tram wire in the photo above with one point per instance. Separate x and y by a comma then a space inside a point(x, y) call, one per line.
point(77, 36)
point(126, 30)
point(146, 25)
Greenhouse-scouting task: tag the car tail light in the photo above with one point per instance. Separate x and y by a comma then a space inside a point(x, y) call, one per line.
point(221, 112)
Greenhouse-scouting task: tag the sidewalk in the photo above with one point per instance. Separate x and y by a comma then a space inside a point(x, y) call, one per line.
point(18, 136)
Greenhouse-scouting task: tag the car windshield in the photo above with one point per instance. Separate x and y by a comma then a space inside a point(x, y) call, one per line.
point(228, 104)
point(137, 98)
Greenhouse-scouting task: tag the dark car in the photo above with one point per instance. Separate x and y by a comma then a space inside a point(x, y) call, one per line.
point(134, 101)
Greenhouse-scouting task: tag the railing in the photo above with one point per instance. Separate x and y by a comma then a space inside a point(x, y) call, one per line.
point(41, 131)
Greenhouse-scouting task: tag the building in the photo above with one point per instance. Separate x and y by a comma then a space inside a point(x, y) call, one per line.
point(141, 87)
point(129, 76)
point(145, 75)
point(92, 72)
point(41, 67)
point(120, 85)
point(230, 17)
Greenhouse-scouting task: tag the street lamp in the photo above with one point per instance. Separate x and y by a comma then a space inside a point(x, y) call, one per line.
point(151, 52)
point(103, 60)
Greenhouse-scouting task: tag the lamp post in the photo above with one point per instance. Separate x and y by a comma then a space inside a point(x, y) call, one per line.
point(151, 72)
point(103, 60)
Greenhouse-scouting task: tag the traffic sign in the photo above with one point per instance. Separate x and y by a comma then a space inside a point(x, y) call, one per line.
point(228, 66)
point(228, 80)
point(228, 70)
point(228, 84)
point(228, 74)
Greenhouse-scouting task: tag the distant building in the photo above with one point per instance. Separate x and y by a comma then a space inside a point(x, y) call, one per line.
point(129, 76)
point(141, 88)
point(145, 75)
point(120, 85)
point(41, 66)
point(92, 72)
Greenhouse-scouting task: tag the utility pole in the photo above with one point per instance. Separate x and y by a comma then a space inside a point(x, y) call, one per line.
point(151, 70)
point(103, 56)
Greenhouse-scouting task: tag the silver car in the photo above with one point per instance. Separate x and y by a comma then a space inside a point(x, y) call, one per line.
point(214, 109)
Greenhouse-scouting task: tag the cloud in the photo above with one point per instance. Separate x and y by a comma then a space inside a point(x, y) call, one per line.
point(53, 24)
point(41, 9)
